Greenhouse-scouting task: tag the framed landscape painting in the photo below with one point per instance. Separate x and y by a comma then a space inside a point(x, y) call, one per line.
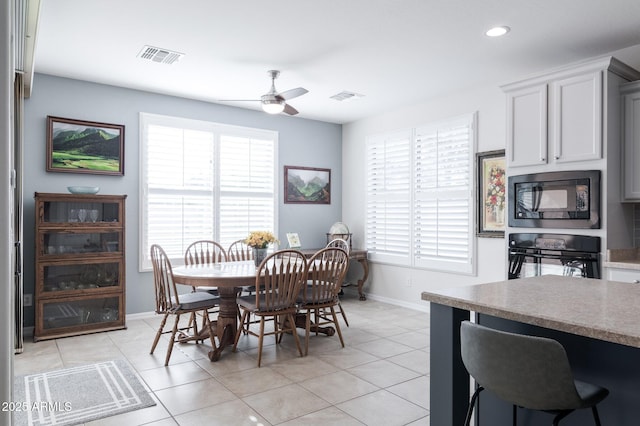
point(75, 146)
point(307, 185)
point(491, 168)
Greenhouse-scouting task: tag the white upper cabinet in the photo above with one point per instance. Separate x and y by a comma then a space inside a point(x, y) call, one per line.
point(558, 120)
point(527, 126)
point(558, 116)
point(631, 134)
point(576, 120)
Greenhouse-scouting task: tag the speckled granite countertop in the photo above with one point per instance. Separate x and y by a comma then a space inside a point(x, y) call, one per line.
point(623, 259)
point(600, 309)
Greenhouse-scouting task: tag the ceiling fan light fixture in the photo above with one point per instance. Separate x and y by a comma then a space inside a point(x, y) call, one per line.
point(272, 106)
point(273, 102)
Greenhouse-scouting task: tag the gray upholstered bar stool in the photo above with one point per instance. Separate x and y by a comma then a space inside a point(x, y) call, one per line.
point(527, 371)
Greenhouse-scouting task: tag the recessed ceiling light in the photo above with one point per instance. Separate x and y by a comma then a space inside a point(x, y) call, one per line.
point(498, 31)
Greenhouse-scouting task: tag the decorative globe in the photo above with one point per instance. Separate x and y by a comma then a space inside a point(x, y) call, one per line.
point(339, 228)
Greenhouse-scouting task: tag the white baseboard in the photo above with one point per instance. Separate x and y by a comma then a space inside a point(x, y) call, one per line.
point(422, 307)
point(140, 315)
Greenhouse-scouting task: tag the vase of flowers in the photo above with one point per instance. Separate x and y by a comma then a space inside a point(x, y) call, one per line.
point(259, 242)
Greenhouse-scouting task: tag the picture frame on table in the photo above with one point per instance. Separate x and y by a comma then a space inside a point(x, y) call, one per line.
point(491, 195)
point(307, 185)
point(79, 146)
point(294, 240)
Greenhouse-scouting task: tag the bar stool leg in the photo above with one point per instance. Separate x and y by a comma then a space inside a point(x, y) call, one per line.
point(472, 404)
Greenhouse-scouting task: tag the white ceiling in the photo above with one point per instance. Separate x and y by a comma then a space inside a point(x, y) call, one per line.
point(395, 52)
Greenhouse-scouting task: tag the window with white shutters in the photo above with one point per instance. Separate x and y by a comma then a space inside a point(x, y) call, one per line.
point(419, 196)
point(202, 180)
point(388, 221)
point(247, 186)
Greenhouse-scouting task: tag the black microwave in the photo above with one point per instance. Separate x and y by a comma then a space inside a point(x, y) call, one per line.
point(569, 199)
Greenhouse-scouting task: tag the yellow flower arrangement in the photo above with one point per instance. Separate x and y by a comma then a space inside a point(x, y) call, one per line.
point(260, 239)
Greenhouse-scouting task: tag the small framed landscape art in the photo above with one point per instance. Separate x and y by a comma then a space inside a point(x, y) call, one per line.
point(307, 185)
point(491, 168)
point(76, 146)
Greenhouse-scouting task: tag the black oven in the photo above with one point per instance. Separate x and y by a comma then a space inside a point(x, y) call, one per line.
point(553, 254)
point(569, 199)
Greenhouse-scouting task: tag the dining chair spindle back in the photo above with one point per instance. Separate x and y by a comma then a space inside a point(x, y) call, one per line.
point(204, 251)
point(340, 243)
point(238, 251)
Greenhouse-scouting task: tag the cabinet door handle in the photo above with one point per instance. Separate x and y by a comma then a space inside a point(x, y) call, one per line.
point(557, 157)
point(542, 159)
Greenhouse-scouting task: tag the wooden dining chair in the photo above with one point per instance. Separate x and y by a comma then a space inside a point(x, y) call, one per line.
point(340, 243)
point(282, 274)
point(326, 270)
point(169, 302)
point(239, 251)
point(205, 252)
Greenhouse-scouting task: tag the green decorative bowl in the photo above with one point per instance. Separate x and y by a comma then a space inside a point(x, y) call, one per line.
point(83, 189)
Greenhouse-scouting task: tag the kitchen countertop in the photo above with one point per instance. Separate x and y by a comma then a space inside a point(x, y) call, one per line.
point(623, 259)
point(600, 309)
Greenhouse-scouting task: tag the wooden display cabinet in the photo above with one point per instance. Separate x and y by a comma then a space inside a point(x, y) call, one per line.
point(80, 264)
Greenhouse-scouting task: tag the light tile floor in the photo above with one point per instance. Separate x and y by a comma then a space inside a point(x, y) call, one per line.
point(381, 377)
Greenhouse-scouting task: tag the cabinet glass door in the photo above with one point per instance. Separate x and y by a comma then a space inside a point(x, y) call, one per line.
point(74, 243)
point(67, 313)
point(79, 242)
point(80, 278)
point(81, 212)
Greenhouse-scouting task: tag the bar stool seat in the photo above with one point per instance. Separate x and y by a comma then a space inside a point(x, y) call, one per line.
point(527, 371)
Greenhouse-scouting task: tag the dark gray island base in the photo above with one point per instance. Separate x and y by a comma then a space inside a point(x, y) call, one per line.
point(597, 321)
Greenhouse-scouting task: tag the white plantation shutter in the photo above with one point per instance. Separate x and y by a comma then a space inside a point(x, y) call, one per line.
point(247, 186)
point(203, 180)
point(388, 221)
point(443, 215)
point(436, 219)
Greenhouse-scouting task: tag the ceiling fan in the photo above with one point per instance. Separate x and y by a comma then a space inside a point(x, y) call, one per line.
point(273, 102)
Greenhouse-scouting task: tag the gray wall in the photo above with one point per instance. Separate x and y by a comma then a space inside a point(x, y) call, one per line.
point(301, 143)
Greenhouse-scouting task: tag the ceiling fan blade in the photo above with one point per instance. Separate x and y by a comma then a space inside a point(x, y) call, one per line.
point(288, 109)
point(292, 93)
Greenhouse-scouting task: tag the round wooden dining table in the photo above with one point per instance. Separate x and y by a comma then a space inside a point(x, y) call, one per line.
point(227, 277)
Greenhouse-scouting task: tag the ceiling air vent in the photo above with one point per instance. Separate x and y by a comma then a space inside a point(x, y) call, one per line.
point(161, 56)
point(346, 96)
